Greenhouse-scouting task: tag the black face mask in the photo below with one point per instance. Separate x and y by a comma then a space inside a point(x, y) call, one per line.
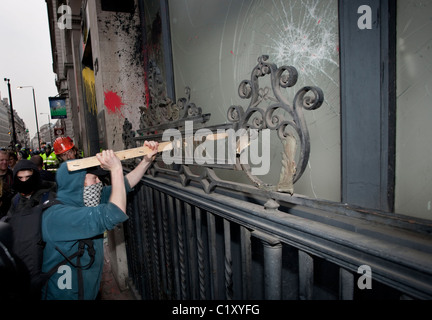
point(28, 186)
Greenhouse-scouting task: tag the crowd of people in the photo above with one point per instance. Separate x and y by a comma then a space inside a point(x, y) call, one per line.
point(78, 207)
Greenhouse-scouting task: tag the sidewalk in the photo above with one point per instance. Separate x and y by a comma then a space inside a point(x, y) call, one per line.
point(109, 287)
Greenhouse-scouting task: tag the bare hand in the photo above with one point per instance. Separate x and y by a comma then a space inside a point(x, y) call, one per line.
point(109, 160)
point(153, 146)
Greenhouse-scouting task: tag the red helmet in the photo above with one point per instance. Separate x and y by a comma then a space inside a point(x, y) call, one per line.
point(62, 144)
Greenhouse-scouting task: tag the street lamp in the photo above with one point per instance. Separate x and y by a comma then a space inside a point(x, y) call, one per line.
point(49, 125)
point(12, 113)
point(35, 110)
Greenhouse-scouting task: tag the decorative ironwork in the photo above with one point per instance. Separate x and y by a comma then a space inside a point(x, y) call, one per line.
point(258, 117)
point(162, 111)
point(165, 111)
point(268, 108)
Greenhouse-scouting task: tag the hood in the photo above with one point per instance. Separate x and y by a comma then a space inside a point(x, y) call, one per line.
point(70, 185)
point(25, 164)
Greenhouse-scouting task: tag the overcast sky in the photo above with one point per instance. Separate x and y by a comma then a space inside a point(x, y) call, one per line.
point(25, 59)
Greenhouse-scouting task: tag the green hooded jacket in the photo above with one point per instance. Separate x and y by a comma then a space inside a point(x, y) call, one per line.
point(63, 225)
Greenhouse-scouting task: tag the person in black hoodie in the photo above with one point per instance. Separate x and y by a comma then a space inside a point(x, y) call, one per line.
point(29, 186)
point(31, 192)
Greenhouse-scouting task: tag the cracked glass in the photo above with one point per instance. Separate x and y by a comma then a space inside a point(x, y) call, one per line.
point(216, 44)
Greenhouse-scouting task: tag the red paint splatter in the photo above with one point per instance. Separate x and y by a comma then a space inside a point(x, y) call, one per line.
point(113, 102)
point(146, 84)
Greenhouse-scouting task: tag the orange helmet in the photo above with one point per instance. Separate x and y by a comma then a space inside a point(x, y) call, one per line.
point(62, 144)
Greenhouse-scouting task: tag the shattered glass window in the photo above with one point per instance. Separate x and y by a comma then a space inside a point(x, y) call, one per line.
point(216, 44)
point(414, 110)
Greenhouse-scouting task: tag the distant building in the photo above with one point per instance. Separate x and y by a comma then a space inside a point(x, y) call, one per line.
point(46, 133)
point(4, 123)
point(21, 131)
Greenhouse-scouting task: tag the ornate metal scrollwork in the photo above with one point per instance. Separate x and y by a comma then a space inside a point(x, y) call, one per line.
point(268, 108)
point(162, 110)
point(258, 117)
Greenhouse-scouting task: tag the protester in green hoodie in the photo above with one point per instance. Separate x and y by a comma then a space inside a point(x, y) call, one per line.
point(87, 209)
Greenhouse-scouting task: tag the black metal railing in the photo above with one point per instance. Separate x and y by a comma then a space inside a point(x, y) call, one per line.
point(184, 243)
point(194, 235)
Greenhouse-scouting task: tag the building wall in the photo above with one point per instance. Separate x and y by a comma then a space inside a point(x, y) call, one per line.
point(22, 136)
point(4, 123)
point(62, 64)
point(118, 71)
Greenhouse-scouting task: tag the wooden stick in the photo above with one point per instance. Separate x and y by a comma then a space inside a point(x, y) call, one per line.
point(122, 155)
point(139, 152)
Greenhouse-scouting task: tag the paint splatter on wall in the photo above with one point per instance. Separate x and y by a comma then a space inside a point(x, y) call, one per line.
point(113, 102)
point(121, 67)
point(90, 90)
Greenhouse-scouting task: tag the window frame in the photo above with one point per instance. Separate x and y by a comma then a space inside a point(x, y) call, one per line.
point(368, 122)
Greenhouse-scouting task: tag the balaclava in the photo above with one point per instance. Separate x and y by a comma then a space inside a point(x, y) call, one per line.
point(30, 185)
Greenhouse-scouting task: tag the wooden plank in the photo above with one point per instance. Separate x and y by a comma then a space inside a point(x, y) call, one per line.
point(88, 162)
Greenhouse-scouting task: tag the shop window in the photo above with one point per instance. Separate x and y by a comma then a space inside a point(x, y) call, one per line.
point(413, 190)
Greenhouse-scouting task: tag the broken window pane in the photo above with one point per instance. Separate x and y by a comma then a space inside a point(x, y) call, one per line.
point(216, 44)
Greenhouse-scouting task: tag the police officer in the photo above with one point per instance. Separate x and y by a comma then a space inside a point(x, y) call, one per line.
point(51, 161)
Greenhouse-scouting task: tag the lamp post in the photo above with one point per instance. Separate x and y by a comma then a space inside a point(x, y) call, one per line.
point(12, 113)
point(35, 110)
point(49, 125)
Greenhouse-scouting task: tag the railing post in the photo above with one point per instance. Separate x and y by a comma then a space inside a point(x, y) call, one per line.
point(191, 260)
point(214, 282)
point(272, 271)
point(272, 266)
point(306, 278)
point(181, 250)
point(246, 255)
point(228, 261)
point(346, 284)
point(174, 286)
point(200, 252)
